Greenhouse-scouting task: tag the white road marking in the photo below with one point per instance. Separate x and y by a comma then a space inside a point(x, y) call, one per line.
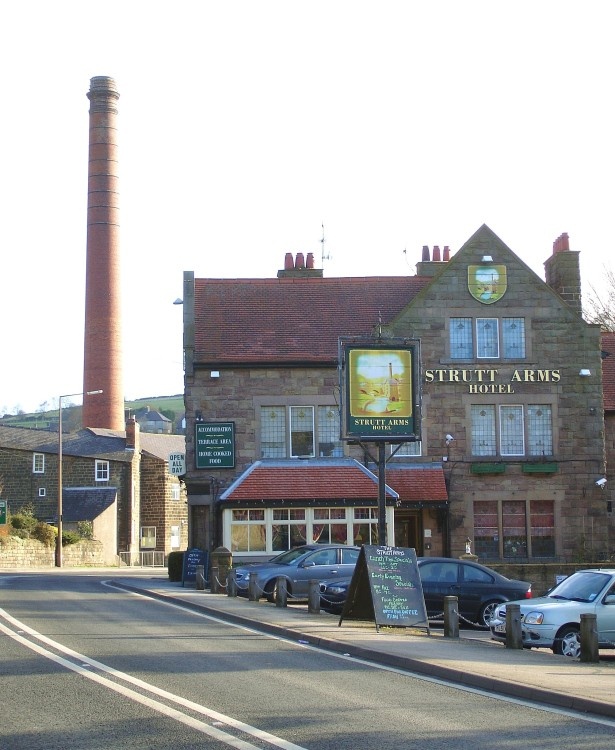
point(605, 721)
point(86, 664)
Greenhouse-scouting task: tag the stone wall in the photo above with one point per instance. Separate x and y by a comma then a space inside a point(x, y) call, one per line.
point(30, 553)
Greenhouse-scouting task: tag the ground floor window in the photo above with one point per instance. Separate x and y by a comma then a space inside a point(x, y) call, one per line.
point(148, 537)
point(279, 529)
point(514, 529)
point(248, 530)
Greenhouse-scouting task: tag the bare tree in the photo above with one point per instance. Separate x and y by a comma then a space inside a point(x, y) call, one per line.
point(600, 308)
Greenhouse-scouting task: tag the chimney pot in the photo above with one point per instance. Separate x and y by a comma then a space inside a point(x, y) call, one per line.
point(425, 253)
point(299, 261)
point(436, 253)
point(289, 263)
point(309, 263)
point(447, 254)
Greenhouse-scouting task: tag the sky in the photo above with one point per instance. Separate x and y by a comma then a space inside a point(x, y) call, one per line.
point(247, 127)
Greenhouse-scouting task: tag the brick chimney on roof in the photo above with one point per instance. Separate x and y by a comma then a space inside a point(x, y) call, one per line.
point(563, 273)
point(427, 267)
point(102, 363)
point(300, 268)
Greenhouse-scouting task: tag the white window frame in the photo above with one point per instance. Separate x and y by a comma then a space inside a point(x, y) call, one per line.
point(264, 520)
point(101, 470)
point(42, 492)
point(147, 533)
point(38, 463)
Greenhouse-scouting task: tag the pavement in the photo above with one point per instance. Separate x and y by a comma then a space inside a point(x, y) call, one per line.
point(531, 675)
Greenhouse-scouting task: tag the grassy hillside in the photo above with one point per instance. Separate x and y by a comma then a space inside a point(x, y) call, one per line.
point(45, 420)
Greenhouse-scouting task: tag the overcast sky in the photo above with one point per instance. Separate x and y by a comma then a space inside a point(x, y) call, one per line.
point(246, 126)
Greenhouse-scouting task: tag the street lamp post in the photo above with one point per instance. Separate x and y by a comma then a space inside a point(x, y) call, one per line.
point(59, 511)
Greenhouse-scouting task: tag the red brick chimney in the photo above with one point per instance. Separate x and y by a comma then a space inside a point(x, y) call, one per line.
point(102, 364)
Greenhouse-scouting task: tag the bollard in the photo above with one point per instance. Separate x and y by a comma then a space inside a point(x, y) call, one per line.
point(222, 562)
point(513, 626)
point(451, 617)
point(200, 577)
point(589, 639)
point(231, 584)
point(214, 583)
point(314, 598)
point(253, 592)
point(281, 592)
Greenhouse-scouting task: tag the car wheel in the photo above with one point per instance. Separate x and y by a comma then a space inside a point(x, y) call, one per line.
point(270, 590)
point(486, 612)
point(568, 642)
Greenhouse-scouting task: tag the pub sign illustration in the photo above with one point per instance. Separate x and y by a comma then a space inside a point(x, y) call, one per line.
point(379, 383)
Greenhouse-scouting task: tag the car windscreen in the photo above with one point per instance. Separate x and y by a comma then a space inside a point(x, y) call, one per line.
point(584, 586)
point(288, 557)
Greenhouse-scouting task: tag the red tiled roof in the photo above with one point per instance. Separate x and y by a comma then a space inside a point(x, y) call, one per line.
point(328, 480)
point(608, 371)
point(292, 320)
point(417, 483)
point(318, 482)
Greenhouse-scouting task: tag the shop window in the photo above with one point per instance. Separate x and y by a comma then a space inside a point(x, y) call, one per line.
point(329, 526)
point(487, 338)
point(101, 471)
point(248, 530)
point(365, 527)
point(288, 528)
point(38, 463)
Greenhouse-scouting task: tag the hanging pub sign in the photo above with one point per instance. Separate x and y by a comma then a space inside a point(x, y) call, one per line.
point(379, 385)
point(215, 445)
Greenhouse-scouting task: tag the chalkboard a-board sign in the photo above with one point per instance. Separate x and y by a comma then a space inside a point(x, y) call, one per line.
point(193, 558)
point(386, 587)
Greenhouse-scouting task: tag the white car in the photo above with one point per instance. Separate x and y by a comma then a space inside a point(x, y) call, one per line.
point(554, 621)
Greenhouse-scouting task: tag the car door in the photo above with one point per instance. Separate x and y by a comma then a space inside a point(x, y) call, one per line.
point(439, 579)
point(476, 586)
point(320, 565)
point(605, 616)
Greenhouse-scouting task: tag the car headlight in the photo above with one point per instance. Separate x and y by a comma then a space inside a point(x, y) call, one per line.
point(533, 618)
point(335, 589)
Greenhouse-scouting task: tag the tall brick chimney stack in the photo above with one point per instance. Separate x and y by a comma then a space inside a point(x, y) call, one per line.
point(102, 365)
point(563, 273)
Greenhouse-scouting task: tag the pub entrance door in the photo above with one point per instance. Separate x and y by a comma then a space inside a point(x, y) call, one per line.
point(408, 528)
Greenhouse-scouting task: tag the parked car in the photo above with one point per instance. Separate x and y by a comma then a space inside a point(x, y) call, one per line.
point(300, 565)
point(479, 590)
point(554, 621)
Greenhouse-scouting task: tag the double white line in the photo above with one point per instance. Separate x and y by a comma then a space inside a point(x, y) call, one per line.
point(86, 665)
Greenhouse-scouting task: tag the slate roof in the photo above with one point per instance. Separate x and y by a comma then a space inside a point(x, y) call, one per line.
point(292, 320)
point(93, 442)
point(104, 444)
point(160, 446)
point(86, 503)
point(608, 370)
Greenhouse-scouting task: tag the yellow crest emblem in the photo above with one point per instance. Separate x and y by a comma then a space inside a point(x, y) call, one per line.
point(487, 283)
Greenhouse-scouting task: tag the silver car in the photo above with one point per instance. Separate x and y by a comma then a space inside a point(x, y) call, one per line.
point(554, 621)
